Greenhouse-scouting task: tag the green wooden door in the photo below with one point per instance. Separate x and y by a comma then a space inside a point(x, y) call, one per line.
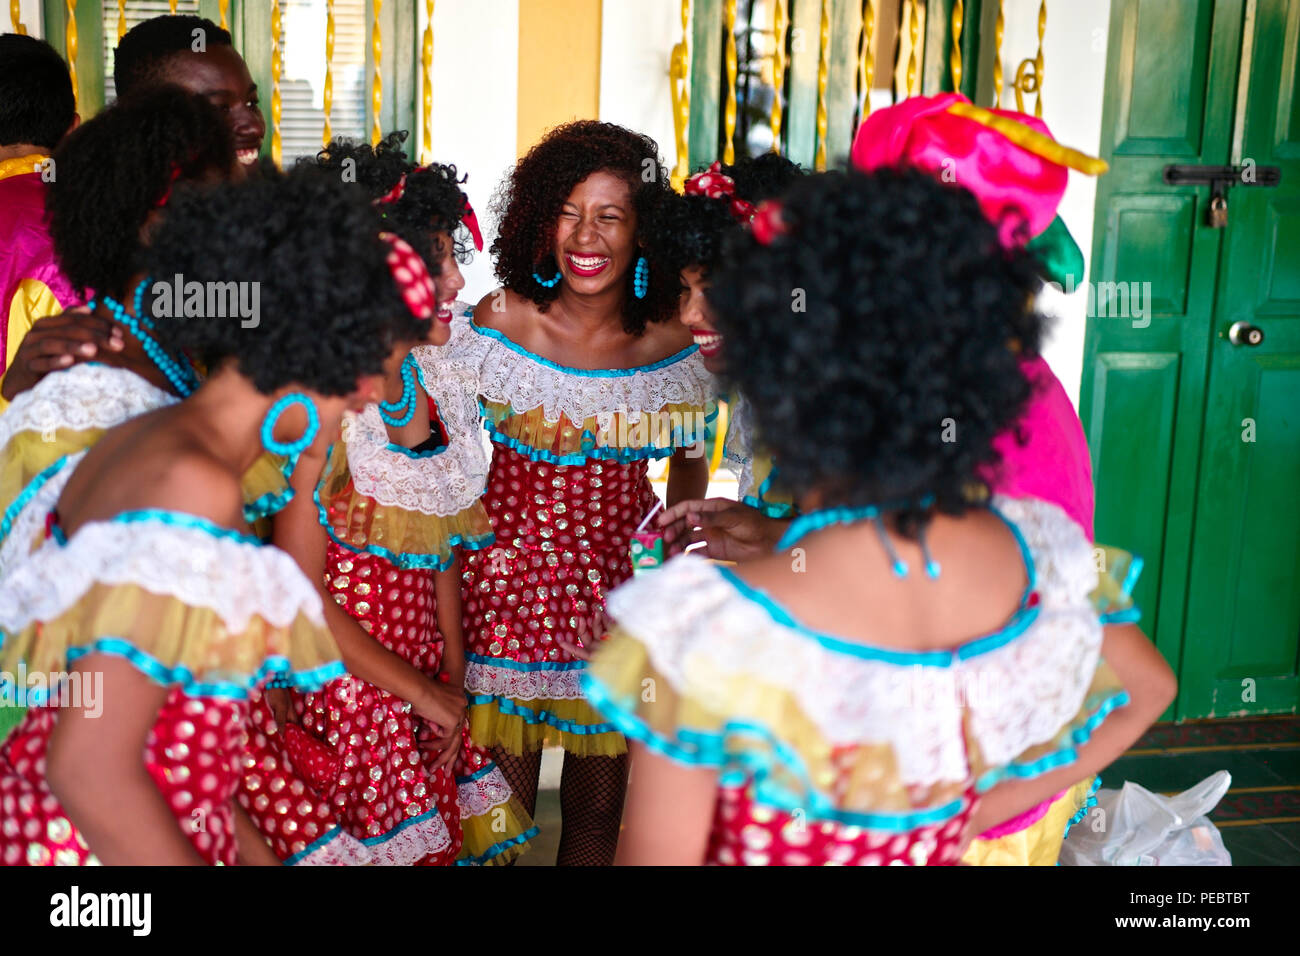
point(1243, 609)
point(1215, 517)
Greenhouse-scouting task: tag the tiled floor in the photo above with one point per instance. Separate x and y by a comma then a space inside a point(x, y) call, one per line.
point(1259, 817)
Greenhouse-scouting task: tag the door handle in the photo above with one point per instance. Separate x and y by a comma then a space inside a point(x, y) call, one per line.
point(1243, 333)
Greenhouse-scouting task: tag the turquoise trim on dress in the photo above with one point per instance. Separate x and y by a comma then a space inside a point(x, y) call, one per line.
point(183, 677)
point(328, 837)
point(27, 494)
point(529, 716)
point(1019, 623)
point(407, 561)
point(708, 750)
point(525, 665)
point(481, 772)
point(404, 825)
point(498, 848)
point(182, 519)
point(620, 455)
point(772, 509)
point(272, 502)
point(1089, 802)
point(587, 372)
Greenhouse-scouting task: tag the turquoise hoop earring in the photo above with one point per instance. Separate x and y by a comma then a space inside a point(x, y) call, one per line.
point(548, 283)
point(290, 450)
point(641, 278)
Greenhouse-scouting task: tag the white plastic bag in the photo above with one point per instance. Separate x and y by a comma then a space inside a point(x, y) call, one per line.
point(1135, 827)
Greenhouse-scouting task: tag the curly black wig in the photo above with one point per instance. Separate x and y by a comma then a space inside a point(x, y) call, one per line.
point(688, 230)
point(763, 177)
point(328, 308)
point(114, 170)
point(528, 205)
point(431, 202)
point(886, 310)
point(141, 56)
point(36, 101)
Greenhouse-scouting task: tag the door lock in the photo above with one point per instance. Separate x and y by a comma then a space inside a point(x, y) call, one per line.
point(1243, 333)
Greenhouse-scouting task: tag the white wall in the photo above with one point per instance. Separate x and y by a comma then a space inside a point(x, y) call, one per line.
point(1074, 54)
point(475, 93)
point(636, 42)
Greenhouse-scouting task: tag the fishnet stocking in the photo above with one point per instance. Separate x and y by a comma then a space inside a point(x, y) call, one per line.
point(591, 803)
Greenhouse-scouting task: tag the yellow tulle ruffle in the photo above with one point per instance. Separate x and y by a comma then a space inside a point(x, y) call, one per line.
point(29, 453)
point(491, 726)
point(497, 837)
point(173, 642)
point(405, 537)
point(738, 720)
point(674, 426)
point(1038, 844)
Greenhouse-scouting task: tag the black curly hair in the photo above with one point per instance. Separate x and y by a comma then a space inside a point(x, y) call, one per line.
point(329, 310)
point(688, 230)
point(112, 171)
point(528, 205)
point(910, 308)
point(141, 56)
point(761, 177)
point(432, 201)
point(36, 101)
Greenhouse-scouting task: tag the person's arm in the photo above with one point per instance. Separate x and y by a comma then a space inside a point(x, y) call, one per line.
point(94, 768)
point(251, 846)
point(56, 342)
point(731, 531)
point(1151, 687)
point(688, 474)
point(446, 588)
point(668, 812)
point(297, 530)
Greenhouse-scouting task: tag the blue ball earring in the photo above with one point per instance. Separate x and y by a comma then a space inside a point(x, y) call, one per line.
point(641, 278)
point(548, 283)
point(290, 450)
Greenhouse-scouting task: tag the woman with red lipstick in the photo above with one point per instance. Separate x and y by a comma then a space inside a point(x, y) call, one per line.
point(583, 375)
point(398, 499)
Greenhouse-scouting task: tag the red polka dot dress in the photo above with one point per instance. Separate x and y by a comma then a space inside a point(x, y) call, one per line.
point(237, 613)
point(829, 751)
point(567, 486)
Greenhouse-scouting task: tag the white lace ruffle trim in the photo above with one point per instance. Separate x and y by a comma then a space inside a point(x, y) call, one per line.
point(442, 484)
point(478, 797)
point(237, 579)
point(738, 448)
point(341, 849)
point(79, 398)
point(410, 842)
point(22, 540)
point(699, 630)
point(500, 372)
point(541, 684)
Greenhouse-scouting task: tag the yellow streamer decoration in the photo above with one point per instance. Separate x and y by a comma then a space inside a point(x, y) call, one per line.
point(867, 65)
point(780, 24)
point(277, 68)
point(70, 47)
point(999, 25)
point(954, 61)
point(1031, 140)
point(16, 17)
point(172, 5)
point(426, 61)
point(377, 84)
point(1029, 74)
point(121, 20)
point(327, 132)
point(224, 7)
point(679, 88)
point(729, 115)
point(823, 68)
point(913, 32)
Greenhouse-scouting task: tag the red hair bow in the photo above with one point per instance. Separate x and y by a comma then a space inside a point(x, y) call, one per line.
point(716, 184)
point(412, 277)
point(471, 223)
point(394, 194)
point(768, 222)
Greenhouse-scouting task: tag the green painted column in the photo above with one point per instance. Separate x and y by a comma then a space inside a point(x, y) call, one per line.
point(706, 81)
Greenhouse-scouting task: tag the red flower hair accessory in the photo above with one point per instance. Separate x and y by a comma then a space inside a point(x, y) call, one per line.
point(394, 194)
point(412, 277)
point(716, 184)
point(768, 222)
point(471, 223)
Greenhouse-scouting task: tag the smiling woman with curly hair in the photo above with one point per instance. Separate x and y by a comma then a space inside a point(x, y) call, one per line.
point(584, 374)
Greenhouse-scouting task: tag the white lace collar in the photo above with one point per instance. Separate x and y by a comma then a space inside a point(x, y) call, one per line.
point(164, 553)
point(701, 624)
point(738, 449)
point(85, 396)
point(504, 372)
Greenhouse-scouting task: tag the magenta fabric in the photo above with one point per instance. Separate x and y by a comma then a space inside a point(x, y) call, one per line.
point(1018, 191)
point(1053, 464)
point(26, 251)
